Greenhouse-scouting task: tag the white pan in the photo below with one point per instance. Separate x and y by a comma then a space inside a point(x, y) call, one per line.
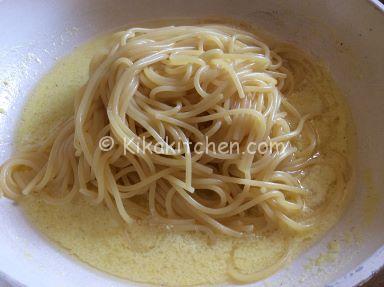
point(347, 34)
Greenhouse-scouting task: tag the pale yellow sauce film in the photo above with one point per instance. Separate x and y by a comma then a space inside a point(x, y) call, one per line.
point(153, 255)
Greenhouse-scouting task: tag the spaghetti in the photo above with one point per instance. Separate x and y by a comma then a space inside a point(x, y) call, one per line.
point(157, 95)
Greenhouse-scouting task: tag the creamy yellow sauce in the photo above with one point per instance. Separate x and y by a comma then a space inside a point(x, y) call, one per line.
point(146, 254)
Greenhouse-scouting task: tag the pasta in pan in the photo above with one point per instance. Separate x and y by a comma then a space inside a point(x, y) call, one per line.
point(147, 125)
